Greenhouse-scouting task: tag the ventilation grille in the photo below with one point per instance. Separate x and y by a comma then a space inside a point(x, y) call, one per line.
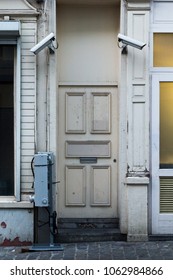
point(166, 195)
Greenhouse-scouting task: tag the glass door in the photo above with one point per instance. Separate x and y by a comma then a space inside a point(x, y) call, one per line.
point(162, 154)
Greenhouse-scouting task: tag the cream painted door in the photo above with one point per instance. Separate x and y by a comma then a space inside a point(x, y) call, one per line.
point(88, 141)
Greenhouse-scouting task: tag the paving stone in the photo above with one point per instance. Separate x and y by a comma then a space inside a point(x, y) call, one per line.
point(121, 258)
point(106, 257)
point(44, 255)
point(58, 256)
point(34, 256)
point(154, 250)
point(91, 257)
point(82, 256)
point(82, 246)
point(8, 257)
point(21, 257)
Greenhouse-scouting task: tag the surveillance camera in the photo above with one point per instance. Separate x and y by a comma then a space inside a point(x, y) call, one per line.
point(131, 42)
point(46, 42)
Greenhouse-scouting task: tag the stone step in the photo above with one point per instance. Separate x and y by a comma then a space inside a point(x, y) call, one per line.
point(88, 223)
point(88, 230)
point(89, 235)
point(160, 237)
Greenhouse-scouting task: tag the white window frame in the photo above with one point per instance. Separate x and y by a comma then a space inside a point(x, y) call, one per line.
point(17, 109)
point(157, 74)
point(17, 120)
point(160, 28)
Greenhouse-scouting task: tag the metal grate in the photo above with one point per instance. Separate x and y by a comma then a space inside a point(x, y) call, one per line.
point(166, 195)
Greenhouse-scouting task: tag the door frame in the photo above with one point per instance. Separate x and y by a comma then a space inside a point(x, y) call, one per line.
point(159, 221)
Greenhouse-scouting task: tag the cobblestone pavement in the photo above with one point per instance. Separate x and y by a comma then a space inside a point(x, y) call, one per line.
point(111, 250)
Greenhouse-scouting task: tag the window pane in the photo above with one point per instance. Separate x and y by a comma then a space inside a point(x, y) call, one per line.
point(163, 50)
point(166, 124)
point(6, 120)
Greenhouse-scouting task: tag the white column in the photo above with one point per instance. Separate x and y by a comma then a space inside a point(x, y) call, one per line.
point(137, 128)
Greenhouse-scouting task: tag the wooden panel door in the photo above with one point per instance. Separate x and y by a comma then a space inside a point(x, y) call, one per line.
point(88, 141)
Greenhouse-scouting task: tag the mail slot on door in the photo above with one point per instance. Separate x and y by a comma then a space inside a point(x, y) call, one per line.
point(88, 160)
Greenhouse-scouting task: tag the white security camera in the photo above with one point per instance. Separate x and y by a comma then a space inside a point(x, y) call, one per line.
point(46, 42)
point(131, 42)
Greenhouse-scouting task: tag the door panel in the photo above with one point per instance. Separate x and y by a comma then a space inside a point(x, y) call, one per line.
point(75, 112)
point(75, 185)
point(88, 146)
point(101, 121)
point(100, 185)
point(99, 149)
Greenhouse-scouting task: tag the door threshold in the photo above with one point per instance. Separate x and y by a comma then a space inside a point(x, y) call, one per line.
point(160, 237)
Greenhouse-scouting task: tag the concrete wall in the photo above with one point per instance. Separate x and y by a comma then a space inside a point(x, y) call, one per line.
point(16, 227)
point(85, 33)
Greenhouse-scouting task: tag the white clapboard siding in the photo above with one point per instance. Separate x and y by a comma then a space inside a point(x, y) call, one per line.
point(27, 55)
point(25, 113)
point(27, 139)
point(27, 132)
point(28, 119)
point(28, 72)
point(28, 86)
point(28, 65)
point(26, 181)
point(27, 152)
point(28, 145)
point(27, 126)
point(28, 39)
point(26, 185)
point(28, 91)
point(25, 165)
point(27, 32)
point(27, 106)
point(27, 46)
point(27, 79)
point(28, 99)
point(26, 160)
point(26, 172)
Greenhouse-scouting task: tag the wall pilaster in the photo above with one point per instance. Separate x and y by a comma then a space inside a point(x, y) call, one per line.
point(137, 132)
